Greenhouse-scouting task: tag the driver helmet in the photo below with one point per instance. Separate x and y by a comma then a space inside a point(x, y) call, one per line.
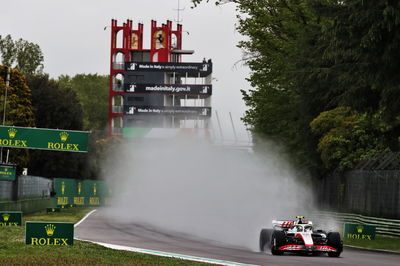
point(299, 219)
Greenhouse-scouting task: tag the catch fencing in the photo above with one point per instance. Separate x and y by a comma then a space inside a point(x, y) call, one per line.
point(374, 193)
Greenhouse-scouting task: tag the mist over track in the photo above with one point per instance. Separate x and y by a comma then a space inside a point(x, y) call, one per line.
point(191, 187)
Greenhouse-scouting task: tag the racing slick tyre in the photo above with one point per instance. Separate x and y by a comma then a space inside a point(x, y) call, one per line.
point(265, 238)
point(335, 242)
point(278, 240)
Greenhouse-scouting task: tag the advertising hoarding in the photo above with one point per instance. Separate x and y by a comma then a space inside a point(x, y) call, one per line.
point(49, 234)
point(177, 89)
point(204, 68)
point(168, 110)
point(7, 172)
point(44, 139)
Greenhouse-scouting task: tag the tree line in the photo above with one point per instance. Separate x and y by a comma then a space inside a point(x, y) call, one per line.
point(324, 77)
point(36, 100)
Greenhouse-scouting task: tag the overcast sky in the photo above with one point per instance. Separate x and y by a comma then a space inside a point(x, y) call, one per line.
point(72, 37)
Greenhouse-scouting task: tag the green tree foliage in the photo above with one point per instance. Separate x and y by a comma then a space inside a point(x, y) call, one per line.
point(309, 57)
point(21, 54)
point(56, 107)
point(102, 157)
point(19, 110)
point(346, 137)
point(7, 50)
point(92, 91)
point(279, 107)
point(363, 60)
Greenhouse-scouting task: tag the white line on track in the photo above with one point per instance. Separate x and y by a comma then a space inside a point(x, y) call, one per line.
point(160, 253)
point(84, 218)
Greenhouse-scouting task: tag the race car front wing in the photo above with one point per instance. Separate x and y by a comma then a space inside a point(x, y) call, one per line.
point(311, 248)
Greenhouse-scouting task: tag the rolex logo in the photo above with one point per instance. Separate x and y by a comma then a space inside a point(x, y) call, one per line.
point(50, 228)
point(12, 132)
point(6, 216)
point(62, 188)
point(94, 189)
point(79, 188)
point(64, 136)
point(360, 229)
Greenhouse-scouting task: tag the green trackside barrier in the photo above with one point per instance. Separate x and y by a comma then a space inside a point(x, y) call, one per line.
point(359, 231)
point(81, 193)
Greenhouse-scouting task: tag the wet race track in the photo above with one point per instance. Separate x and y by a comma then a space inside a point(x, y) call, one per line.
point(100, 228)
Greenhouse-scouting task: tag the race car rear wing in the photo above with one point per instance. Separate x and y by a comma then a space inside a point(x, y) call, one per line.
point(277, 224)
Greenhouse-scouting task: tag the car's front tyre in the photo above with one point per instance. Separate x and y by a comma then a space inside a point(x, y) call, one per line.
point(265, 238)
point(278, 240)
point(335, 242)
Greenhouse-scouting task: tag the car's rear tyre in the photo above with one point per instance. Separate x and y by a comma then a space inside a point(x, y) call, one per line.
point(278, 240)
point(265, 238)
point(335, 242)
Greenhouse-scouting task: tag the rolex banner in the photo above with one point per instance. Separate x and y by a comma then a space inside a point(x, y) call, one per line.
point(49, 234)
point(81, 193)
point(359, 231)
point(7, 172)
point(177, 89)
point(45, 139)
point(66, 190)
point(8, 218)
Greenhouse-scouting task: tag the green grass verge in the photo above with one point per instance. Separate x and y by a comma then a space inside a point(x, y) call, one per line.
point(14, 251)
point(380, 242)
point(70, 215)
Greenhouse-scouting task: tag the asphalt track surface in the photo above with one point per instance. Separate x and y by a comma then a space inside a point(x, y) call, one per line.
point(100, 228)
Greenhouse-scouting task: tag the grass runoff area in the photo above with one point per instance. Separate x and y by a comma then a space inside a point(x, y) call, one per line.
point(14, 251)
point(380, 242)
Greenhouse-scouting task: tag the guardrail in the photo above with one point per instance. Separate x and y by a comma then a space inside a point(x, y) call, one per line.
point(388, 227)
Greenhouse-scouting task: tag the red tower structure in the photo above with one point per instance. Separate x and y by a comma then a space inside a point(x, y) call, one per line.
point(154, 81)
point(120, 53)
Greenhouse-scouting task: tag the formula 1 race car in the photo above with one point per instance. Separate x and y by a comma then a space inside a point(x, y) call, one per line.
point(299, 236)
